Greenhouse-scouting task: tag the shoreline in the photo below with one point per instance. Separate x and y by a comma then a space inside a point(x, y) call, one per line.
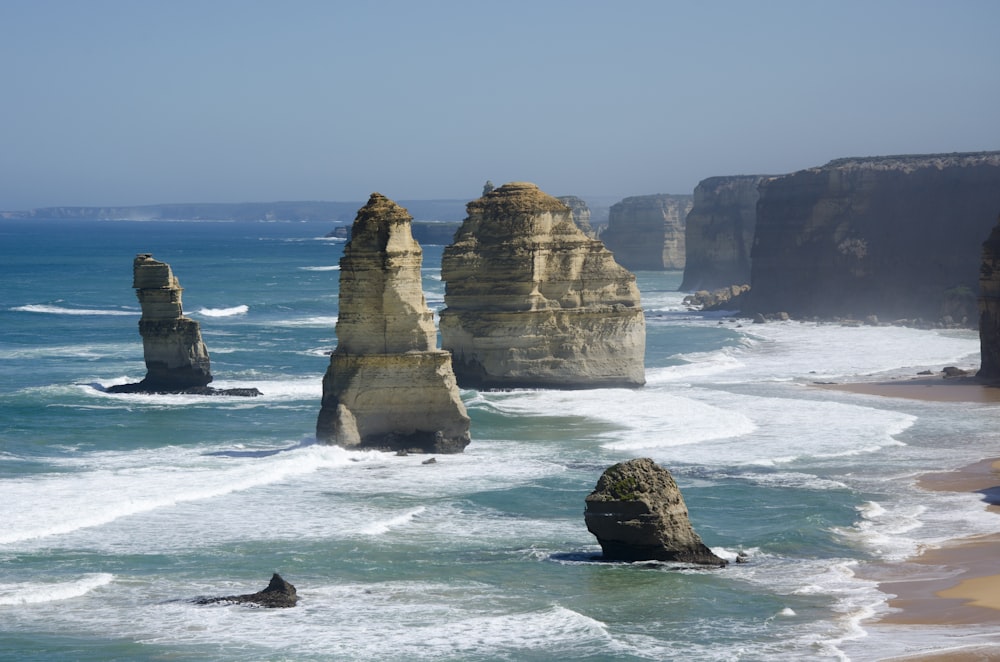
point(957, 584)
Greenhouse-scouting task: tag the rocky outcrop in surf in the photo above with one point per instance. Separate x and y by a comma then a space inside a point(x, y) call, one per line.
point(176, 358)
point(895, 237)
point(989, 307)
point(279, 594)
point(646, 232)
point(388, 387)
point(532, 302)
point(637, 513)
point(719, 232)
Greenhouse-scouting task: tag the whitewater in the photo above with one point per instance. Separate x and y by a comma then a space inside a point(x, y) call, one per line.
point(119, 510)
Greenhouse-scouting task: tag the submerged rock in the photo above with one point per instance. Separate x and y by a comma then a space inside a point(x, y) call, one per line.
point(637, 513)
point(532, 302)
point(388, 386)
point(176, 357)
point(278, 594)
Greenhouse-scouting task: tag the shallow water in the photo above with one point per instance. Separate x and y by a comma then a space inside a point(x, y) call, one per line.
point(118, 509)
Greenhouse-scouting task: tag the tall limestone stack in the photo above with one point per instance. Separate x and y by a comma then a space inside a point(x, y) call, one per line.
point(388, 387)
point(533, 302)
point(647, 231)
point(581, 212)
point(176, 357)
point(719, 232)
point(637, 513)
point(896, 237)
point(989, 307)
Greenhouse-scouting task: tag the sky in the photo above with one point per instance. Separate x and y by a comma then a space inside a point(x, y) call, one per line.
point(127, 102)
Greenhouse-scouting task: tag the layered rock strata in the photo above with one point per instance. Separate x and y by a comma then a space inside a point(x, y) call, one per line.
point(176, 358)
point(896, 237)
point(388, 386)
point(646, 232)
point(532, 302)
point(637, 513)
point(989, 307)
point(581, 213)
point(719, 231)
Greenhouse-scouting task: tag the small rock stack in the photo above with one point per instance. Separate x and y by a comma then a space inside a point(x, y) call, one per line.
point(637, 513)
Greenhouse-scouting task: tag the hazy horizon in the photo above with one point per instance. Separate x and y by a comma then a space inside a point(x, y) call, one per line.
point(115, 103)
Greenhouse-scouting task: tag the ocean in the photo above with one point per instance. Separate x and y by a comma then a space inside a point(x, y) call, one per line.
point(118, 510)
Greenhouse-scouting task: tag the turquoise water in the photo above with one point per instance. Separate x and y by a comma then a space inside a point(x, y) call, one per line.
point(119, 509)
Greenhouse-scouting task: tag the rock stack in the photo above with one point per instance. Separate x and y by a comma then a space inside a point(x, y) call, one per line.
point(532, 302)
point(388, 387)
point(647, 231)
point(176, 357)
point(581, 213)
point(989, 307)
point(279, 594)
point(637, 513)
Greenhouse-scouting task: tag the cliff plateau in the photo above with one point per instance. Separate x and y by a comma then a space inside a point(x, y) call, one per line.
point(532, 302)
point(719, 232)
point(896, 237)
point(388, 386)
point(647, 231)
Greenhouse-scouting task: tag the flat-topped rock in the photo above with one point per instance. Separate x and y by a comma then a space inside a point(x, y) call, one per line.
point(388, 386)
point(531, 301)
point(989, 306)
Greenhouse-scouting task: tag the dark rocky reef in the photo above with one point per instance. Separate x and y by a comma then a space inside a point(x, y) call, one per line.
point(177, 360)
point(895, 237)
point(989, 307)
point(388, 387)
point(719, 232)
point(279, 594)
point(646, 232)
point(637, 513)
point(533, 302)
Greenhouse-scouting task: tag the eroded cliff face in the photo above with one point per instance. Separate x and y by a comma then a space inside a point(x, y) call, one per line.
point(531, 301)
point(719, 232)
point(895, 237)
point(647, 231)
point(581, 212)
point(176, 357)
point(989, 306)
point(388, 386)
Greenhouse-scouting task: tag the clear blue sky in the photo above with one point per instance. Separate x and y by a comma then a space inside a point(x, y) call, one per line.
point(109, 102)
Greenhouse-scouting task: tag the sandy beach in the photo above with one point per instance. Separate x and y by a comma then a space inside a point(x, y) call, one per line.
point(961, 584)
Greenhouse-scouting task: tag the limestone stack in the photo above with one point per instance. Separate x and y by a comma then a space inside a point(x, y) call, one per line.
point(637, 513)
point(581, 213)
point(176, 357)
point(989, 307)
point(719, 232)
point(388, 386)
point(532, 302)
point(647, 231)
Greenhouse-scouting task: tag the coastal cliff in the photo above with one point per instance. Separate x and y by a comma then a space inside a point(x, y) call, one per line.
point(531, 301)
point(581, 213)
point(896, 237)
point(989, 306)
point(647, 231)
point(719, 232)
point(388, 387)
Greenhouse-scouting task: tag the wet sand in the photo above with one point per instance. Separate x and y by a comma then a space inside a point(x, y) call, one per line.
point(957, 584)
